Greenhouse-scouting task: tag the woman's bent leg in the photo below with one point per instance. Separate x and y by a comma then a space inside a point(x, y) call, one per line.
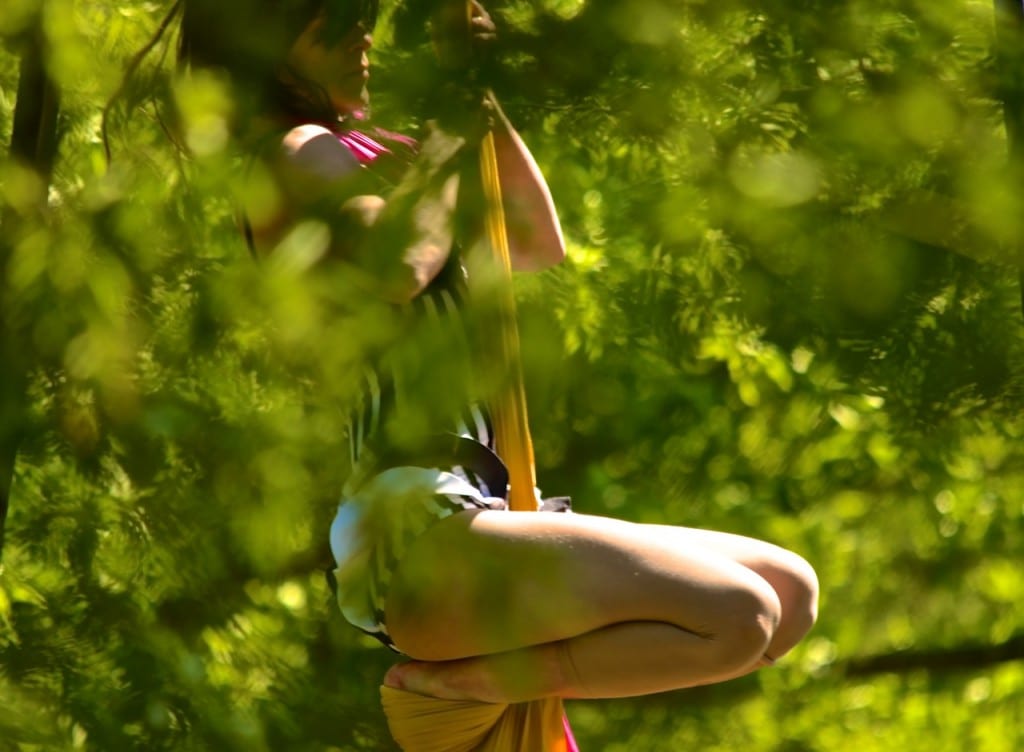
point(621, 660)
point(587, 606)
point(792, 578)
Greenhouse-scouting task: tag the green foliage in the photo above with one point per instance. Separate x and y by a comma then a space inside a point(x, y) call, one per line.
point(790, 310)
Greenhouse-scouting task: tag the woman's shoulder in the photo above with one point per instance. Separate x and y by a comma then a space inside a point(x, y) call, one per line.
point(317, 150)
point(299, 135)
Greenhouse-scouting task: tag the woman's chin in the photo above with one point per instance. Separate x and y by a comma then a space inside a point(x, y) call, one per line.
point(351, 106)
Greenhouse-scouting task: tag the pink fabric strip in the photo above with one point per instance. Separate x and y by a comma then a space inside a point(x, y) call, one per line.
point(570, 740)
point(364, 148)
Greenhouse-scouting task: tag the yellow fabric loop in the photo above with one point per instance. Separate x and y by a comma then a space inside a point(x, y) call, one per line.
point(512, 430)
point(428, 724)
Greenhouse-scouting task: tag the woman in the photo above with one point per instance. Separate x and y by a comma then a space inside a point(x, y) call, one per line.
point(488, 604)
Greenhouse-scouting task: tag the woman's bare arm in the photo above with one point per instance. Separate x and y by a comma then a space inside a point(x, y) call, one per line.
point(402, 242)
point(534, 232)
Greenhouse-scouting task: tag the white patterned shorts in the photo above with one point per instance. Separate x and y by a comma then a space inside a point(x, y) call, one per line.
point(381, 515)
point(376, 524)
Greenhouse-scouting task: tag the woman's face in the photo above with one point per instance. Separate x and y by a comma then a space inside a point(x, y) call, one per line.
point(341, 70)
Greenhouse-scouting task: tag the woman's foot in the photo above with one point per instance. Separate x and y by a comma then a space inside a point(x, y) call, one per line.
point(446, 680)
point(465, 679)
point(519, 676)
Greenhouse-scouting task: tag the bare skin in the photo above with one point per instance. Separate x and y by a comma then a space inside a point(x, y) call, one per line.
point(583, 606)
point(320, 177)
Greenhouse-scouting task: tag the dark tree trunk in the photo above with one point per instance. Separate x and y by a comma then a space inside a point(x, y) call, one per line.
point(1009, 20)
point(33, 144)
point(34, 138)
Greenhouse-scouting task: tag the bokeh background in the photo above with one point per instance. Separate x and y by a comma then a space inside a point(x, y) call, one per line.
point(791, 309)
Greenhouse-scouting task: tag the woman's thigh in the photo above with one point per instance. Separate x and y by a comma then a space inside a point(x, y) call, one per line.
point(487, 582)
point(786, 571)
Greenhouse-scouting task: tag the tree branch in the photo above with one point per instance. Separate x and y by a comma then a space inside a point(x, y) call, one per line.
point(938, 660)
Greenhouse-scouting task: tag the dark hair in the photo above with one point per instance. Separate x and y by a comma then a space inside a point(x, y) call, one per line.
point(250, 39)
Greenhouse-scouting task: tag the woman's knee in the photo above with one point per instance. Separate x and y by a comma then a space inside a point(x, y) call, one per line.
point(757, 615)
point(796, 583)
point(740, 630)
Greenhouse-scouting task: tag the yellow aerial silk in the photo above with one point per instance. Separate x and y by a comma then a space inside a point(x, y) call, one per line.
point(429, 724)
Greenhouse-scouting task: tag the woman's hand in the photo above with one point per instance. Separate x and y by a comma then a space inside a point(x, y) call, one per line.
point(463, 34)
point(482, 30)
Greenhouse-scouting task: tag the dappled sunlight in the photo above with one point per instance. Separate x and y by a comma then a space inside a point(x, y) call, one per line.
point(790, 309)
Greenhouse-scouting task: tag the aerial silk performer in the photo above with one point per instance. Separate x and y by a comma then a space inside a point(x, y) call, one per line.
point(500, 613)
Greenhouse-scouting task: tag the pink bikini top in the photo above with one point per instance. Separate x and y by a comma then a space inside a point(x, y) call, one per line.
point(367, 148)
